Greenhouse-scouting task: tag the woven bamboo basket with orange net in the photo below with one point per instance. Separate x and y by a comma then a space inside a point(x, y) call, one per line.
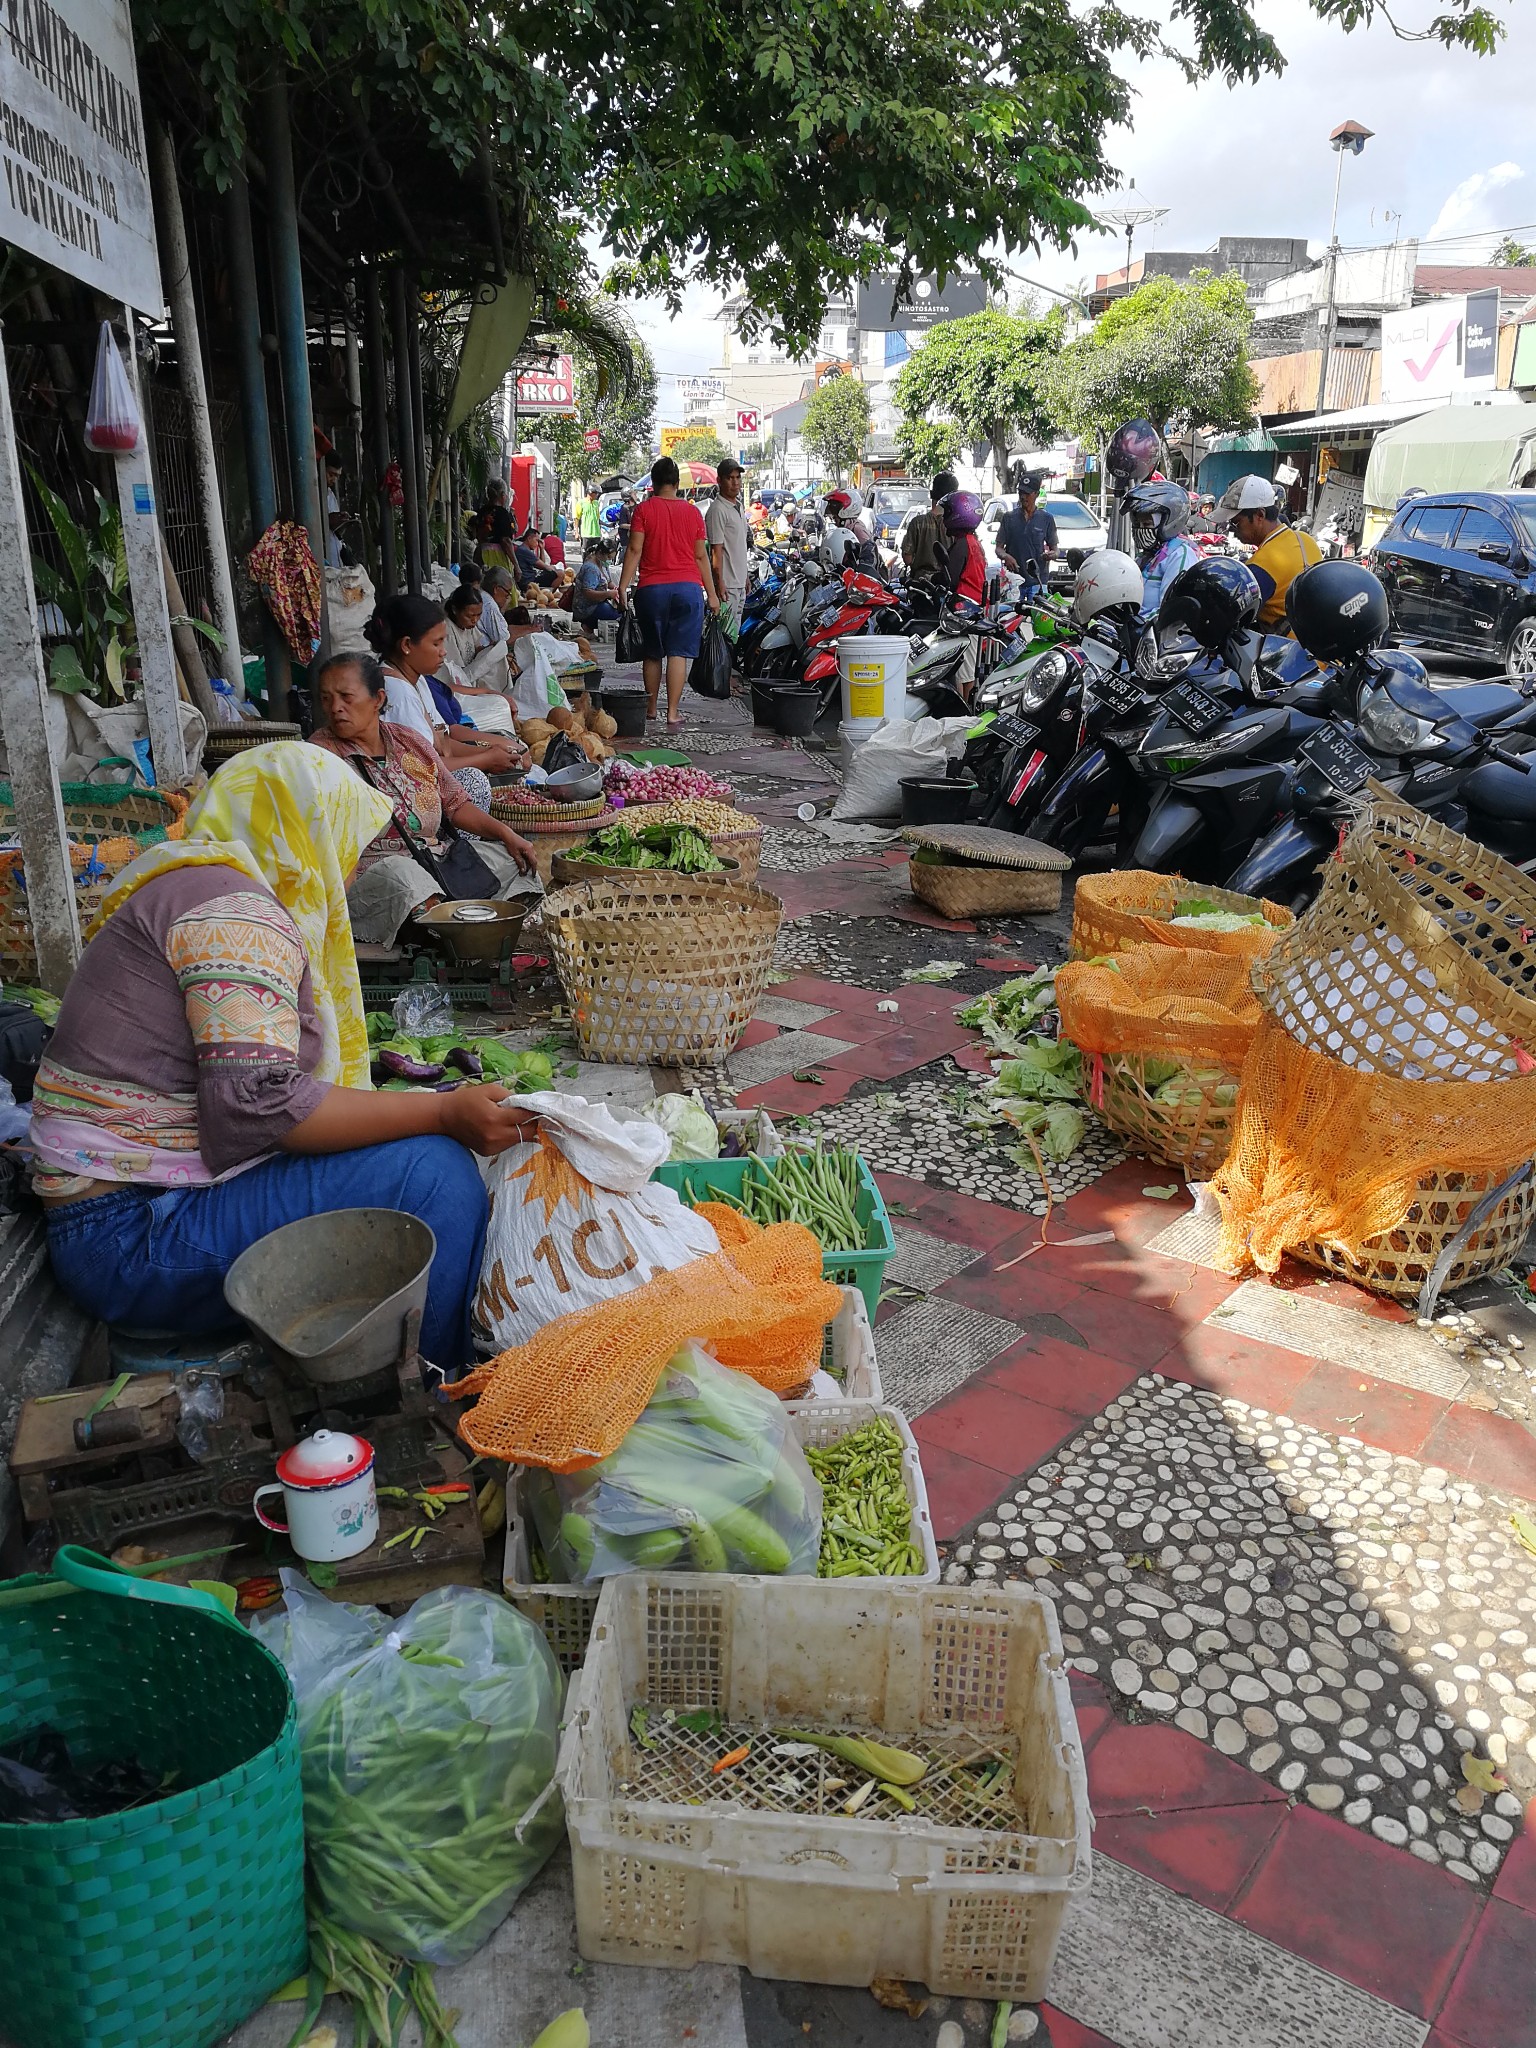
point(1390, 1085)
point(659, 968)
point(96, 868)
point(1133, 907)
point(1148, 1006)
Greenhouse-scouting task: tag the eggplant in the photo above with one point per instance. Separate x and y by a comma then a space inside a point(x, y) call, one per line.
point(446, 1087)
point(401, 1067)
point(466, 1061)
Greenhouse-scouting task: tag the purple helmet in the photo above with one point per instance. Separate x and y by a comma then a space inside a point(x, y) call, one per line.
point(961, 511)
point(1135, 450)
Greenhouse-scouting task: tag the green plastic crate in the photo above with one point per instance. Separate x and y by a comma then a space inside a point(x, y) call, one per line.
point(699, 1179)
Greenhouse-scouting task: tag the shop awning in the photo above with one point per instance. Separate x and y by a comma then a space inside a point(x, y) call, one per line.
point(1353, 419)
point(1453, 448)
point(1255, 442)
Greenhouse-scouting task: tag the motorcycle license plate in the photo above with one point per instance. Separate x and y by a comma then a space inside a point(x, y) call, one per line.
point(1121, 695)
point(1338, 758)
point(1014, 732)
point(1193, 708)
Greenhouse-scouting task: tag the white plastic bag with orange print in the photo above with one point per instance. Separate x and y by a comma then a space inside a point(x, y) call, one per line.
point(577, 1219)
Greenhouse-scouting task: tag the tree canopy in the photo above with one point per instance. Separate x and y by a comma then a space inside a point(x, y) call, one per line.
point(836, 423)
point(1174, 351)
point(624, 413)
point(989, 376)
point(703, 445)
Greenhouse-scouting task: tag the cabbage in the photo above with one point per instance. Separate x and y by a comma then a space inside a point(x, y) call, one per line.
point(1047, 1069)
point(687, 1123)
point(1056, 1127)
point(1218, 920)
point(1189, 1088)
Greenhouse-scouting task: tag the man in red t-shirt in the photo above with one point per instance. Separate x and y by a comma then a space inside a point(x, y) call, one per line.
point(668, 561)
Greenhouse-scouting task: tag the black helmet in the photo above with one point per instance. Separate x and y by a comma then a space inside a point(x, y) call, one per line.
point(1134, 452)
point(1337, 610)
point(1212, 600)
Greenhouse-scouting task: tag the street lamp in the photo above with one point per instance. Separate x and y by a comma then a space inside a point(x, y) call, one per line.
point(1348, 139)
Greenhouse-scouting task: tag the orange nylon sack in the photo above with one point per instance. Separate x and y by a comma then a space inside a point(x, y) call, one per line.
point(1142, 1009)
point(1333, 1156)
point(573, 1392)
point(1132, 907)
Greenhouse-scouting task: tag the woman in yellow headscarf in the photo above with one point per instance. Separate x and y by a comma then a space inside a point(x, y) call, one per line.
point(208, 1077)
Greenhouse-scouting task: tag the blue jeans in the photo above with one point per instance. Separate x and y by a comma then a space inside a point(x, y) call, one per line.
point(153, 1261)
point(671, 617)
point(598, 615)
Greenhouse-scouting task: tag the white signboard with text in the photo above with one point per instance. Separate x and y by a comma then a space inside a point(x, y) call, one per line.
point(74, 173)
point(1421, 352)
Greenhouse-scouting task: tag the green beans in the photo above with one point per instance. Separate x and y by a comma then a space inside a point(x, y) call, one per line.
point(819, 1188)
point(866, 1515)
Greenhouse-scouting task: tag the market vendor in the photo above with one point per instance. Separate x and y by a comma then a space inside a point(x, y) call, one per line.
point(410, 636)
point(426, 805)
point(208, 1078)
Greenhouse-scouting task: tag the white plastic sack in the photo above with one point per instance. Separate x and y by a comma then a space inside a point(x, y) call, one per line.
point(349, 602)
point(540, 657)
point(576, 1219)
point(898, 747)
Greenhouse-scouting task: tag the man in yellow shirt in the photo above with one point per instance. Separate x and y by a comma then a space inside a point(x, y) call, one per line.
point(1280, 552)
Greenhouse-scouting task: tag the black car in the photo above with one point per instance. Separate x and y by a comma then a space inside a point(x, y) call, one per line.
point(1460, 570)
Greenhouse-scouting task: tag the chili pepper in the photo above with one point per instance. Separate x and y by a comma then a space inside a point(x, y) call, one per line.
point(731, 1757)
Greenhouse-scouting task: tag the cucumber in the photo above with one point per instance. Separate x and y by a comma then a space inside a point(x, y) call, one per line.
point(786, 1492)
point(651, 1552)
point(706, 1549)
point(576, 1535)
point(760, 1548)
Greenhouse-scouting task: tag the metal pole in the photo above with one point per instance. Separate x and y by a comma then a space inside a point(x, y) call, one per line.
point(24, 724)
point(378, 406)
point(255, 421)
point(354, 388)
point(1325, 339)
point(419, 423)
point(292, 332)
point(405, 433)
point(146, 591)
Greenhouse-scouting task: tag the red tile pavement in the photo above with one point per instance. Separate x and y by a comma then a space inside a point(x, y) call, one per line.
point(1344, 1403)
point(892, 1053)
point(1516, 1880)
point(1206, 1854)
point(1057, 1375)
point(1017, 1291)
point(959, 1489)
point(896, 1187)
point(797, 1098)
point(827, 995)
point(1490, 1449)
point(961, 1218)
point(1006, 963)
point(758, 1032)
point(1092, 1720)
point(994, 1428)
point(973, 1059)
point(1492, 2003)
point(1131, 1331)
point(1265, 1375)
point(1370, 1914)
point(1150, 1768)
point(1065, 2033)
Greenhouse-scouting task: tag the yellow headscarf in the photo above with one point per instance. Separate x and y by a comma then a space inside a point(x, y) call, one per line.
point(296, 819)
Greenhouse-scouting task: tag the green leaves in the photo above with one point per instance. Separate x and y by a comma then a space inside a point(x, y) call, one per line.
point(1171, 350)
point(837, 423)
point(988, 377)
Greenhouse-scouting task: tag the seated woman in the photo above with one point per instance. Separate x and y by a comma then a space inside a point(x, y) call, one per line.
point(207, 1080)
point(391, 883)
point(472, 669)
point(593, 598)
point(410, 635)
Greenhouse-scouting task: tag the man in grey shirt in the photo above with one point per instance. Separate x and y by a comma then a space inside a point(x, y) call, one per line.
point(725, 528)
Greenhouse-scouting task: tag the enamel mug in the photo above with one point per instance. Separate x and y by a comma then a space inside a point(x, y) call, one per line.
point(326, 1481)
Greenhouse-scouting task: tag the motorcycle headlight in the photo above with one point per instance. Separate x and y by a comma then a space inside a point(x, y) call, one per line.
point(1386, 728)
point(1042, 682)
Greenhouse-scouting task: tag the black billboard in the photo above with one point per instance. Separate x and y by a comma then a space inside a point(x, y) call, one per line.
point(924, 304)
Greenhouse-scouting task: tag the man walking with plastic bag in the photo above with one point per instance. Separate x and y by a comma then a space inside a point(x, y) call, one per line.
point(725, 528)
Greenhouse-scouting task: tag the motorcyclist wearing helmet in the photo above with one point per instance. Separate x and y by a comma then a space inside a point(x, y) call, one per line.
point(849, 528)
point(966, 563)
point(1280, 552)
point(1159, 516)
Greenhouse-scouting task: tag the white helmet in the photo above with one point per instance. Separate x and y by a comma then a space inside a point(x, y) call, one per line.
point(1106, 578)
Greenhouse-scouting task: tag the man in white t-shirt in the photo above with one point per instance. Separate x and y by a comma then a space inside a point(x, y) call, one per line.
point(334, 520)
point(725, 528)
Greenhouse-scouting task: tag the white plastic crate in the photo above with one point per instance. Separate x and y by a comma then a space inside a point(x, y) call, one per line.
point(828, 1898)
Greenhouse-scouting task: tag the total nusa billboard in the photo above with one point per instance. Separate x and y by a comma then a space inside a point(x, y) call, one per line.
point(1440, 349)
point(923, 304)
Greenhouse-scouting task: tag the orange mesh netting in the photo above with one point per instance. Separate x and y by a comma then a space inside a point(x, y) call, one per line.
point(1327, 1154)
point(1132, 907)
point(1184, 1004)
point(572, 1393)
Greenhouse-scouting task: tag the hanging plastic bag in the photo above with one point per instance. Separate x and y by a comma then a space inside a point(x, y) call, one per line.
point(112, 418)
point(428, 1758)
point(710, 1479)
point(710, 671)
point(628, 643)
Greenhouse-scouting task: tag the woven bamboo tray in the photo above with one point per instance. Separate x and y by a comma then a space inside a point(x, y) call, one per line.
point(224, 741)
point(1398, 1262)
point(1192, 1134)
point(18, 950)
point(744, 845)
point(661, 969)
point(1132, 907)
point(565, 868)
point(100, 809)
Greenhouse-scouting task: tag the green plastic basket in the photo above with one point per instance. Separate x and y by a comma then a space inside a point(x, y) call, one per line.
point(699, 1179)
point(164, 1926)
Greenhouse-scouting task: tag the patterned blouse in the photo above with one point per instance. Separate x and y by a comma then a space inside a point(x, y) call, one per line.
point(187, 1043)
point(412, 776)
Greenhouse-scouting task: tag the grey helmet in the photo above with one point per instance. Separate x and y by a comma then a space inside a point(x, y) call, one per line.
point(1157, 512)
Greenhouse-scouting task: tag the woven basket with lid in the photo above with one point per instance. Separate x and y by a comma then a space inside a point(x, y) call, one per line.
point(985, 873)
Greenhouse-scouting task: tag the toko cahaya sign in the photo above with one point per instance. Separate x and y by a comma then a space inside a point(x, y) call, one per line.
point(74, 174)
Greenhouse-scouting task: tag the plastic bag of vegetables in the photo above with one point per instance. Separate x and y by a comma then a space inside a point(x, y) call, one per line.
point(428, 1756)
point(709, 1479)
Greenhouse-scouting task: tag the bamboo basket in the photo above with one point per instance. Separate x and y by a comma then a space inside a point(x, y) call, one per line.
point(743, 844)
point(661, 969)
point(18, 949)
point(987, 873)
point(1132, 907)
point(1192, 1134)
point(1398, 1262)
point(564, 868)
point(225, 741)
point(100, 809)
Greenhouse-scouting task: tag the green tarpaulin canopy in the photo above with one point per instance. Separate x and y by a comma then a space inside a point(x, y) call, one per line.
point(1453, 448)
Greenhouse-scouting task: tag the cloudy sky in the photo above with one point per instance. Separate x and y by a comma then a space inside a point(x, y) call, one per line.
point(1452, 159)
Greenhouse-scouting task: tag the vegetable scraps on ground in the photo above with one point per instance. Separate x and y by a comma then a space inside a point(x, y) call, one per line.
point(866, 1513)
point(709, 1479)
point(1006, 1015)
point(448, 1059)
point(1037, 1093)
point(682, 849)
point(428, 1757)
